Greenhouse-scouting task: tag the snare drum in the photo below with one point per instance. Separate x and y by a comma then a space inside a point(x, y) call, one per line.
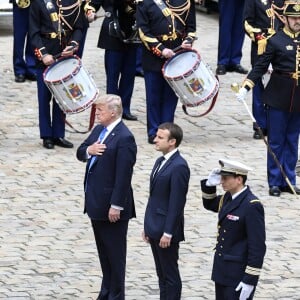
point(71, 85)
point(190, 78)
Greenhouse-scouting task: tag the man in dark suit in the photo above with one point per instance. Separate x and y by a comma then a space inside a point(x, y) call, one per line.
point(110, 151)
point(164, 216)
point(120, 52)
point(240, 248)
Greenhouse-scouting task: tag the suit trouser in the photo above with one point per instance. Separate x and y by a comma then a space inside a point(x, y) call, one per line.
point(161, 101)
point(228, 293)
point(52, 124)
point(22, 46)
point(283, 137)
point(111, 241)
point(120, 74)
point(231, 31)
point(258, 107)
point(166, 263)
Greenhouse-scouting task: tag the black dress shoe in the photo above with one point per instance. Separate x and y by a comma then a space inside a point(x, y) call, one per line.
point(221, 70)
point(257, 135)
point(274, 191)
point(61, 142)
point(31, 77)
point(20, 78)
point(48, 143)
point(139, 73)
point(129, 117)
point(287, 189)
point(238, 69)
point(151, 139)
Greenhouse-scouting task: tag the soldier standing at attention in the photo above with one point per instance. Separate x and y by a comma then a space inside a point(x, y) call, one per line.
point(281, 96)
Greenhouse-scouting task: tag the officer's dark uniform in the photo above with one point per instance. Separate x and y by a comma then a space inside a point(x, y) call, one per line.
point(240, 248)
point(119, 57)
point(260, 23)
point(281, 96)
point(45, 39)
point(157, 32)
point(23, 55)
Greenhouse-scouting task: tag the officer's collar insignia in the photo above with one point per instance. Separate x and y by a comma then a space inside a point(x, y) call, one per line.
point(289, 47)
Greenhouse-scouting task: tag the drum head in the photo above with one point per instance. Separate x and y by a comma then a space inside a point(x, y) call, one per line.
point(181, 64)
point(62, 69)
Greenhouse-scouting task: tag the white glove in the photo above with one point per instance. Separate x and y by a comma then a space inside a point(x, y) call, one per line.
point(241, 95)
point(214, 178)
point(246, 290)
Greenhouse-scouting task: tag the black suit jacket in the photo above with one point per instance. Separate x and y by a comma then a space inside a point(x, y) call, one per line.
point(108, 181)
point(165, 208)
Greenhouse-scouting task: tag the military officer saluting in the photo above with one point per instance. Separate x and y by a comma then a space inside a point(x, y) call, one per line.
point(163, 25)
point(281, 96)
point(240, 248)
point(55, 28)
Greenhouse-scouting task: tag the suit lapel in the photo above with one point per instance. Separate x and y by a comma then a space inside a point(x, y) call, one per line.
point(162, 170)
point(109, 138)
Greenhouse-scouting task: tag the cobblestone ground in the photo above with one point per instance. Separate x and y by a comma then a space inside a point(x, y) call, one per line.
point(47, 249)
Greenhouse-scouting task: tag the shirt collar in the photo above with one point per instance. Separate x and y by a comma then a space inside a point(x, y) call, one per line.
point(169, 154)
point(112, 125)
point(238, 193)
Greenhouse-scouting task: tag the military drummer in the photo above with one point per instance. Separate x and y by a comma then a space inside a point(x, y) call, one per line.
point(240, 248)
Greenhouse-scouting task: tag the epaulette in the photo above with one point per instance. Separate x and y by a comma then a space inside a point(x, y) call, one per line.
point(254, 201)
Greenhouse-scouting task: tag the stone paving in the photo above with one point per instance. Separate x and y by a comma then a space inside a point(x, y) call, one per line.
point(47, 250)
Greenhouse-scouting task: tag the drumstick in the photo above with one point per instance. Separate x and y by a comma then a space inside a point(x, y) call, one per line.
point(59, 54)
point(235, 87)
point(179, 47)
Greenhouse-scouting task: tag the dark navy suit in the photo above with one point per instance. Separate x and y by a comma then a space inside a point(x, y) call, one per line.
point(281, 96)
point(119, 57)
point(108, 182)
point(165, 214)
point(23, 55)
point(240, 248)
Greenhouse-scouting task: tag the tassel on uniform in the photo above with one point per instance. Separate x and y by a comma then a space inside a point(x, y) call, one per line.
point(262, 44)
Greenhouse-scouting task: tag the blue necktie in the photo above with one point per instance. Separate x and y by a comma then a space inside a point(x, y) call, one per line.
point(101, 136)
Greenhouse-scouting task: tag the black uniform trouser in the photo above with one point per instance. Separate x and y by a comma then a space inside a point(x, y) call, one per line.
point(224, 292)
